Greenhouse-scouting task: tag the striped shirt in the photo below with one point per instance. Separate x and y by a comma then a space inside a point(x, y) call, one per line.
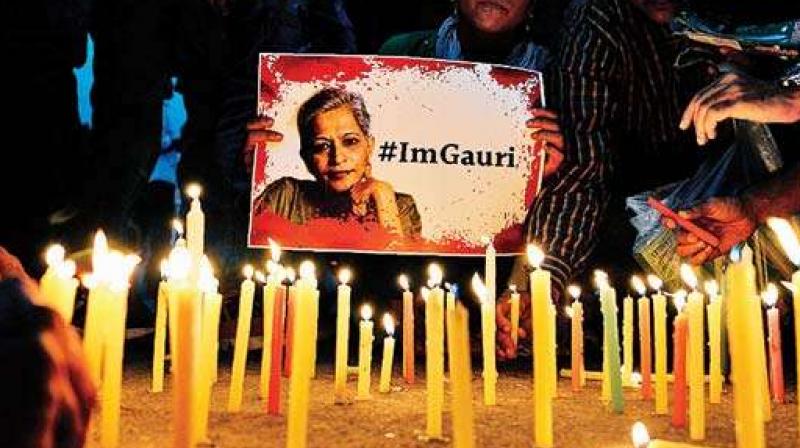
point(616, 91)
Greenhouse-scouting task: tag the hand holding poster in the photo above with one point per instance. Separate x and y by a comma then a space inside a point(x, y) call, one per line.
point(394, 154)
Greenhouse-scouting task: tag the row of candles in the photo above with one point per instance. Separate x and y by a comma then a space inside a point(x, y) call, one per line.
point(189, 292)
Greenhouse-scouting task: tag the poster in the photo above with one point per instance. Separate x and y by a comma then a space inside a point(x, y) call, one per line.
point(394, 155)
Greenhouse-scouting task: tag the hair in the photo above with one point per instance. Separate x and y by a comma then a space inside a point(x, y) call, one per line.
point(47, 393)
point(324, 101)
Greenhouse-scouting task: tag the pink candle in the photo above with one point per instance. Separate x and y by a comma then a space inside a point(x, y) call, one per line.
point(679, 336)
point(408, 331)
point(287, 365)
point(775, 361)
point(645, 348)
point(274, 402)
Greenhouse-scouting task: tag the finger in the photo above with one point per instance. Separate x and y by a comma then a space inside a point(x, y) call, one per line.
point(264, 136)
point(543, 125)
point(544, 113)
point(691, 110)
point(721, 111)
point(702, 256)
point(553, 159)
point(669, 223)
point(686, 238)
point(690, 250)
point(260, 123)
point(553, 138)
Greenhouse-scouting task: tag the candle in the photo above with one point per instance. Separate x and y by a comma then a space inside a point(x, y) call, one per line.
point(600, 279)
point(645, 346)
point(58, 285)
point(627, 339)
point(365, 353)
point(514, 299)
point(276, 357)
point(460, 377)
point(388, 354)
point(695, 348)
point(300, 382)
point(770, 297)
point(195, 228)
point(680, 327)
point(177, 226)
point(210, 299)
point(290, 307)
point(246, 294)
point(660, 320)
point(754, 305)
point(408, 329)
point(714, 347)
point(575, 312)
point(641, 439)
point(791, 246)
point(542, 363)
point(434, 353)
point(342, 337)
point(488, 326)
point(268, 316)
point(608, 301)
point(749, 416)
point(160, 328)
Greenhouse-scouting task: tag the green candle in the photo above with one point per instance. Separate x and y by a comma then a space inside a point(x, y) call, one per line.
point(608, 298)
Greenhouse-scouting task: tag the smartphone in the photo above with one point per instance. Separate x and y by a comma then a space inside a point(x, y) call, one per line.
point(701, 233)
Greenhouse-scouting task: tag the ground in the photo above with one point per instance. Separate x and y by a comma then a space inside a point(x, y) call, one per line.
point(394, 419)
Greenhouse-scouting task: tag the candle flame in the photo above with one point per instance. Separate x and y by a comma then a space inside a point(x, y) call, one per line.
point(655, 282)
point(99, 250)
point(118, 269)
point(388, 324)
point(636, 378)
point(435, 274)
point(164, 268)
point(260, 277)
point(344, 276)
point(601, 279)
point(770, 295)
point(787, 238)
point(789, 286)
point(307, 270)
point(679, 298)
point(248, 271)
point(206, 282)
point(574, 291)
point(291, 274)
point(67, 269)
point(88, 280)
point(402, 280)
point(366, 312)
point(478, 287)
point(535, 255)
point(513, 288)
point(639, 435)
point(424, 292)
point(712, 288)
point(274, 250)
point(180, 261)
point(177, 226)
point(688, 276)
point(569, 311)
point(638, 285)
point(54, 255)
point(194, 191)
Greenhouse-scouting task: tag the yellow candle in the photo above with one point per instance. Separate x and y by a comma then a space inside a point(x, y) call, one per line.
point(300, 382)
point(209, 326)
point(97, 301)
point(514, 298)
point(159, 339)
point(489, 329)
point(195, 229)
point(660, 326)
point(434, 353)
point(314, 321)
point(388, 355)
point(627, 339)
point(694, 309)
point(342, 337)
point(645, 346)
point(184, 305)
point(58, 286)
point(246, 294)
point(763, 379)
point(714, 347)
point(601, 282)
point(460, 377)
point(575, 312)
point(365, 353)
point(268, 314)
point(542, 362)
point(749, 416)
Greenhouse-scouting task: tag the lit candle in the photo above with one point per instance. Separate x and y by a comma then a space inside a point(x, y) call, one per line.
point(770, 297)
point(514, 299)
point(488, 326)
point(714, 337)
point(408, 330)
point(627, 339)
point(740, 277)
point(660, 320)
point(290, 312)
point(365, 340)
point(645, 345)
point(195, 228)
point(300, 382)
point(246, 294)
point(434, 353)
point(575, 313)
point(641, 439)
point(159, 339)
point(791, 246)
point(342, 337)
point(276, 357)
point(268, 315)
point(96, 308)
point(208, 330)
point(388, 354)
point(460, 377)
point(679, 362)
point(58, 285)
point(608, 301)
point(542, 362)
point(695, 349)
point(177, 226)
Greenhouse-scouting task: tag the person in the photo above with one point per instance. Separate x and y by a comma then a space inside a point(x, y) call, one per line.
point(336, 146)
point(48, 395)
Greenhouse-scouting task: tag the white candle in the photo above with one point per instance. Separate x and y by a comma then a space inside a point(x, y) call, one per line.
point(195, 229)
point(342, 337)
point(160, 328)
point(697, 417)
point(246, 295)
point(434, 353)
point(388, 354)
point(365, 353)
point(488, 326)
